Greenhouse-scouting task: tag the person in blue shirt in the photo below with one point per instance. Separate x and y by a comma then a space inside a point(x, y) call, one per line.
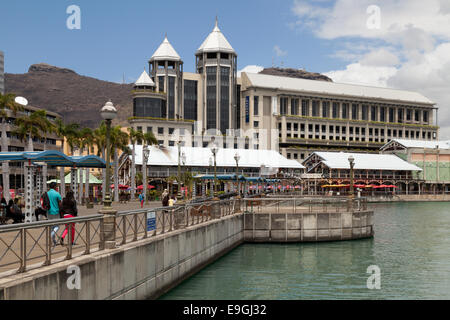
point(141, 198)
point(54, 212)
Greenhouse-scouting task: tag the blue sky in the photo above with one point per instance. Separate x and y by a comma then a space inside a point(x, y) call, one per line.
point(119, 37)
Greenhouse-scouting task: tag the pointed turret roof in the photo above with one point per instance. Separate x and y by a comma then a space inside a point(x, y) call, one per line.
point(144, 80)
point(165, 52)
point(216, 42)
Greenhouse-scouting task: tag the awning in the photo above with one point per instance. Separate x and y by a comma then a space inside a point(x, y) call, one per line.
point(54, 158)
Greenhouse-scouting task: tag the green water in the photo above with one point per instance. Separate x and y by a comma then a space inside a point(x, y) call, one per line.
point(411, 246)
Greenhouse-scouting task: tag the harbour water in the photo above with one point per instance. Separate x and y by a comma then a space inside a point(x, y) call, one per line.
point(411, 247)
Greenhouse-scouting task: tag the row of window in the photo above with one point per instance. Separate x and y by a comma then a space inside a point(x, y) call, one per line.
point(354, 111)
point(293, 130)
point(161, 130)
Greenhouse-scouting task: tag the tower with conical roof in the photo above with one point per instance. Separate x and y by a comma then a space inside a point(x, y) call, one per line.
point(216, 61)
point(147, 102)
point(166, 68)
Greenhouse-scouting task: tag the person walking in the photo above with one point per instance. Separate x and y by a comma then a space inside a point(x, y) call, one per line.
point(54, 212)
point(165, 198)
point(69, 209)
point(141, 198)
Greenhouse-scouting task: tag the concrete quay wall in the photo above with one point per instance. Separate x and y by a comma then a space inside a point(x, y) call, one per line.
point(307, 227)
point(411, 198)
point(138, 270)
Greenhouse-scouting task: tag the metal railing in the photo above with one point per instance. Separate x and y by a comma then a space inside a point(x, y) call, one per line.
point(29, 246)
point(304, 205)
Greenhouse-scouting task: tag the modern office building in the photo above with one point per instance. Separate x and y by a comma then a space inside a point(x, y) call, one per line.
point(292, 116)
point(14, 143)
point(2, 72)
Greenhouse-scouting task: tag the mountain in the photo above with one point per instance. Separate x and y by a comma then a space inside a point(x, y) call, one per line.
point(75, 97)
point(295, 73)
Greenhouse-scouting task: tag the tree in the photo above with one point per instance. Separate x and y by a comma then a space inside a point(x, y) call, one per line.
point(7, 102)
point(135, 137)
point(87, 143)
point(32, 126)
point(64, 132)
point(119, 141)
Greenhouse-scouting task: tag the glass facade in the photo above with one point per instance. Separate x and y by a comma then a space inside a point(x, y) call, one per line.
point(294, 107)
point(315, 108)
point(283, 105)
point(238, 106)
point(161, 84)
point(190, 99)
point(305, 108)
point(171, 97)
point(149, 107)
point(224, 99)
point(211, 97)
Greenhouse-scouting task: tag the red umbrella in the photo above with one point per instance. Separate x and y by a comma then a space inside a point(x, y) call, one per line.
point(121, 186)
point(141, 187)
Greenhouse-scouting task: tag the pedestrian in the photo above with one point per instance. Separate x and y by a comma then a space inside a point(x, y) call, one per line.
point(171, 201)
point(69, 209)
point(141, 198)
point(15, 212)
point(54, 212)
point(165, 198)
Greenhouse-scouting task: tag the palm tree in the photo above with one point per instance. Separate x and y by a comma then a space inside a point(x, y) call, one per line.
point(64, 132)
point(119, 141)
point(99, 140)
point(7, 101)
point(149, 140)
point(87, 141)
point(31, 127)
point(135, 136)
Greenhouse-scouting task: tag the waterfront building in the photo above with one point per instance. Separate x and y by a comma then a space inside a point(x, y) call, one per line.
point(14, 143)
point(257, 111)
point(2, 72)
point(163, 163)
point(333, 169)
point(313, 115)
point(433, 157)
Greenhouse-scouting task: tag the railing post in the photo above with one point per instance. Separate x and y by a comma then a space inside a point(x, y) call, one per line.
point(135, 227)
point(48, 246)
point(88, 238)
point(23, 251)
point(124, 229)
point(69, 246)
point(171, 220)
point(108, 232)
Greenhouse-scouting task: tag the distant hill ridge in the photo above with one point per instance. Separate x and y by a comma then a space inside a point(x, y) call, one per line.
point(79, 98)
point(76, 98)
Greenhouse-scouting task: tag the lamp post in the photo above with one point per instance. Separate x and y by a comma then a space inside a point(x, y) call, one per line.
point(108, 113)
point(211, 163)
point(179, 171)
point(146, 153)
point(214, 151)
point(108, 233)
point(237, 158)
point(183, 161)
point(351, 160)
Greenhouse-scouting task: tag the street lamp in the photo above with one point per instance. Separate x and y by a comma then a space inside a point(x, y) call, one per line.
point(146, 153)
point(237, 158)
point(179, 170)
point(108, 113)
point(214, 150)
point(183, 161)
point(351, 160)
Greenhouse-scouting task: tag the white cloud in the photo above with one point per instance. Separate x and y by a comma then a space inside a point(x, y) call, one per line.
point(250, 69)
point(410, 50)
point(357, 73)
point(279, 52)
